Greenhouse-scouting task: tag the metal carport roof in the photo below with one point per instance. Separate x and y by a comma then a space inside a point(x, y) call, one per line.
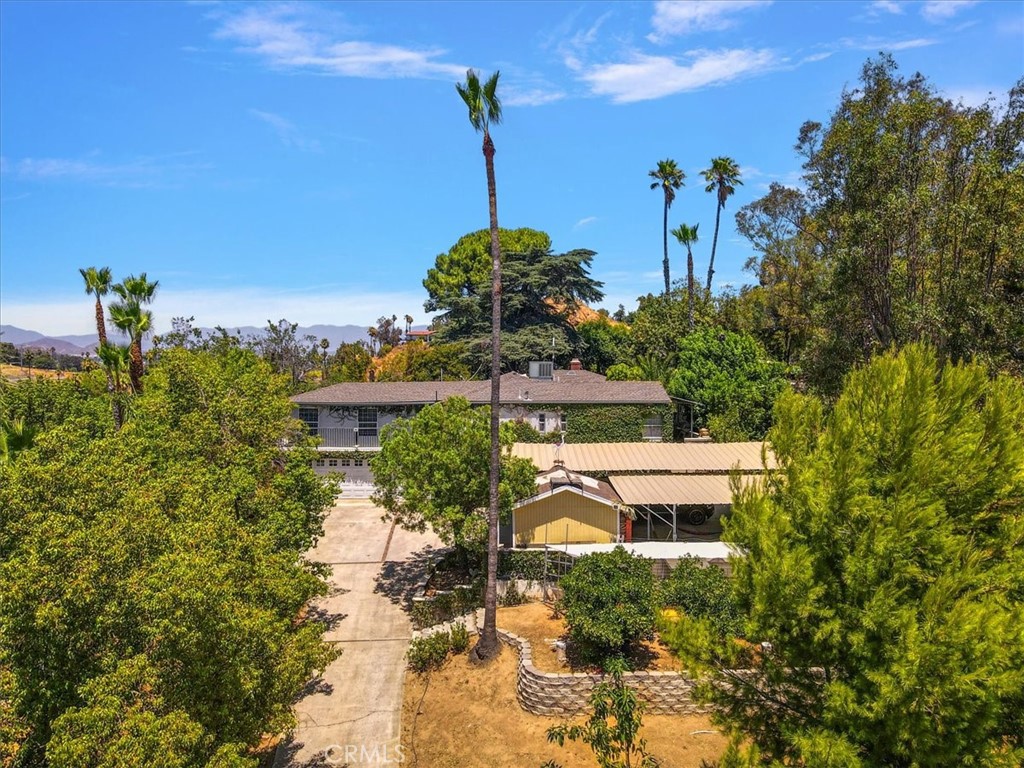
point(675, 489)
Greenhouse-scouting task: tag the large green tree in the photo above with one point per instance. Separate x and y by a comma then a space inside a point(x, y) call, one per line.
point(722, 177)
point(668, 177)
point(481, 99)
point(883, 575)
point(432, 471)
point(152, 581)
point(541, 290)
point(732, 380)
point(919, 205)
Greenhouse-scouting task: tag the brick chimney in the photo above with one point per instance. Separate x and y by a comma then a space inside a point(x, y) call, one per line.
point(575, 364)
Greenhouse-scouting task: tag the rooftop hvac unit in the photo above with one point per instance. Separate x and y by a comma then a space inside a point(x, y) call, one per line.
point(542, 369)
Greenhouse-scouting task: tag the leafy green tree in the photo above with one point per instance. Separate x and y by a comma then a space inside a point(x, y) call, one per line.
point(687, 236)
point(613, 729)
point(703, 592)
point(919, 205)
point(351, 361)
point(723, 176)
point(731, 378)
point(288, 353)
point(541, 289)
point(884, 572)
point(481, 99)
point(152, 581)
point(432, 471)
point(419, 361)
point(609, 600)
point(603, 343)
point(98, 283)
point(668, 177)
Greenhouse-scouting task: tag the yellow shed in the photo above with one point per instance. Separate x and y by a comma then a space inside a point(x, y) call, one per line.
point(567, 509)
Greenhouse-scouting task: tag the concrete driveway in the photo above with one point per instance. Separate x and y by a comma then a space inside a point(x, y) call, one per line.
point(351, 716)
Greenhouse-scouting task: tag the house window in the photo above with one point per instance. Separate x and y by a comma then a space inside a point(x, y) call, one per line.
point(652, 428)
point(357, 462)
point(563, 422)
point(311, 418)
point(542, 422)
point(346, 462)
point(367, 422)
point(332, 462)
point(319, 462)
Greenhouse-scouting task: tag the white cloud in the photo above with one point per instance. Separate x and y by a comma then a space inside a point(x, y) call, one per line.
point(973, 96)
point(584, 222)
point(140, 172)
point(519, 96)
point(228, 307)
point(286, 131)
point(286, 37)
point(886, 6)
point(682, 17)
point(646, 77)
point(941, 10)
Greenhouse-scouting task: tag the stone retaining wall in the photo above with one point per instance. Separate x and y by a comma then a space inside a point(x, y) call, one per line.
point(566, 694)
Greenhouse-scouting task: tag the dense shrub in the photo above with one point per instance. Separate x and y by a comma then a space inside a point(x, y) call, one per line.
point(609, 602)
point(459, 638)
point(702, 592)
point(430, 652)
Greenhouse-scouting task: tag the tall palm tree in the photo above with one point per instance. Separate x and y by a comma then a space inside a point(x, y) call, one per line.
point(484, 107)
point(116, 361)
point(687, 236)
point(136, 322)
point(97, 283)
point(129, 316)
point(722, 177)
point(669, 177)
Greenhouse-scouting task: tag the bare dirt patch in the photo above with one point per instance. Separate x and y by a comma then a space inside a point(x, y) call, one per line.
point(465, 715)
point(537, 623)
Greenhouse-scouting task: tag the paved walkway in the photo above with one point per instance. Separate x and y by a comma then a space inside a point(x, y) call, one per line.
point(352, 715)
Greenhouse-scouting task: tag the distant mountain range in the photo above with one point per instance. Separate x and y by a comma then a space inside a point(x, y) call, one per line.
point(87, 343)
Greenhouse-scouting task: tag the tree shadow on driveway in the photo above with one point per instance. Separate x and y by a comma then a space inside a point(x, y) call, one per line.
point(401, 580)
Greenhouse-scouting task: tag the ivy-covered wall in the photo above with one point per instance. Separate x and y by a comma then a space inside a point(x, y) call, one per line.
point(606, 423)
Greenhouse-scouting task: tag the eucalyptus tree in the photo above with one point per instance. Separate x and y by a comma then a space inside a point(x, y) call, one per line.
point(687, 236)
point(98, 284)
point(722, 177)
point(484, 107)
point(668, 177)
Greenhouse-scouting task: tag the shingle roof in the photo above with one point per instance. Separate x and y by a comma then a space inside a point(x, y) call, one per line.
point(568, 387)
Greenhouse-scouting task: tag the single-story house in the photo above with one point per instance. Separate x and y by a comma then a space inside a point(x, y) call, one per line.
point(579, 404)
point(667, 492)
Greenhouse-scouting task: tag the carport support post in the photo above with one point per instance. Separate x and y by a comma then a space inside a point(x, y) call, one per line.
point(674, 528)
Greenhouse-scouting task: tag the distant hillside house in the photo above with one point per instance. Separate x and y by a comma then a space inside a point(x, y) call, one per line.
point(581, 405)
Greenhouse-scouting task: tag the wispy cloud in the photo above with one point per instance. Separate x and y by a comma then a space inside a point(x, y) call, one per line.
point(683, 17)
point(286, 37)
point(584, 222)
point(139, 172)
point(286, 131)
point(645, 77)
point(886, 6)
point(942, 10)
point(882, 44)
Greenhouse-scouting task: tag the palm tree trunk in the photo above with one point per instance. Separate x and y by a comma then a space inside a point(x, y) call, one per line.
point(135, 366)
point(664, 239)
point(714, 245)
point(689, 285)
point(487, 646)
point(101, 325)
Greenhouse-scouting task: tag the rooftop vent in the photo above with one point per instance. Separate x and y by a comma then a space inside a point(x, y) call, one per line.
point(542, 369)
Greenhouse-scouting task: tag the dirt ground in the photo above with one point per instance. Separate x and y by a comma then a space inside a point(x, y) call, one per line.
point(535, 622)
point(17, 373)
point(467, 716)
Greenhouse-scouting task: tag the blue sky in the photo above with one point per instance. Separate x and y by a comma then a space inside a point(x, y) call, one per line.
point(310, 161)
